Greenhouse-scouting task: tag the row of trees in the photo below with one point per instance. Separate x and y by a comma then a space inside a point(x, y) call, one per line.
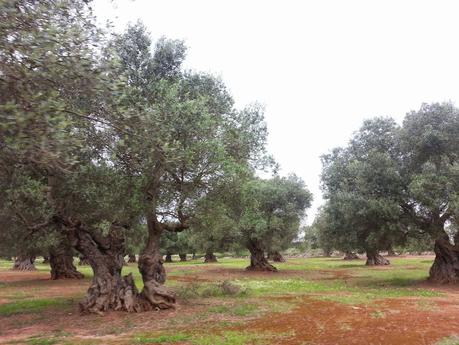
point(394, 184)
point(108, 146)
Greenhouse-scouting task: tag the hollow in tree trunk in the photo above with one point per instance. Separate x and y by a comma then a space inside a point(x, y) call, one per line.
point(61, 262)
point(24, 263)
point(445, 268)
point(276, 256)
point(210, 257)
point(168, 258)
point(182, 257)
point(375, 259)
point(258, 261)
point(132, 259)
point(350, 256)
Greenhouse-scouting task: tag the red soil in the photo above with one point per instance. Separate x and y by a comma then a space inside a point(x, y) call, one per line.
point(387, 322)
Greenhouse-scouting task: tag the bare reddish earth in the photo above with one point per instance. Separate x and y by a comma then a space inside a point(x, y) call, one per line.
point(404, 321)
point(387, 322)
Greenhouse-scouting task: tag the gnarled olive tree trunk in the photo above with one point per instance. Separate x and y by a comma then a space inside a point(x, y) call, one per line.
point(445, 268)
point(152, 269)
point(24, 263)
point(375, 259)
point(350, 256)
point(210, 257)
point(258, 261)
point(132, 258)
point(61, 262)
point(109, 290)
point(182, 257)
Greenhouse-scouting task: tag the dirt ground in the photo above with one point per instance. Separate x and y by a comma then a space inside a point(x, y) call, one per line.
point(410, 320)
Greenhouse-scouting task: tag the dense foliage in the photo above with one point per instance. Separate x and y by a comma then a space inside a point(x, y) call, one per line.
point(108, 147)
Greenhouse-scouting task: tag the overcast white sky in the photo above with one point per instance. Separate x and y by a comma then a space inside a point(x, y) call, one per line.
point(320, 67)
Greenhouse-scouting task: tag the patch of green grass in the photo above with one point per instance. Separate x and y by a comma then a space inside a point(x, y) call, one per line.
point(245, 309)
point(238, 310)
point(162, 339)
point(206, 290)
point(231, 338)
point(32, 306)
point(365, 296)
point(42, 341)
point(219, 309)
point(453, 340)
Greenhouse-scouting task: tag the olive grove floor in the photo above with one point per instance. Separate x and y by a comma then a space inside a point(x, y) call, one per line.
point(309, 301)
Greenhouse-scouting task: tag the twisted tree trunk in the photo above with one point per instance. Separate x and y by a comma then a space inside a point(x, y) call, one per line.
point(375, 259)
point(182, 257)
point(210, 257)
point(152, 269)
point(258, 261)
point(24, 263)
point(350, 256)
point(61, 262)
point(109, 290)
point(132, 259)
point(445, 268)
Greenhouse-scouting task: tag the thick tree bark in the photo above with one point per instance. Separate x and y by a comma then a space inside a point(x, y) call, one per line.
point(83, 261)
point(182, 257)
point(445, 268)
point(375, 259)
point(350, 256)
point(24, 263)
point(168, 258)
point(276, 256)
point(210, 257)
point(61, 262)
point(109, 290)
point(258, 261)
point(152, 269)
point(132, 259)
